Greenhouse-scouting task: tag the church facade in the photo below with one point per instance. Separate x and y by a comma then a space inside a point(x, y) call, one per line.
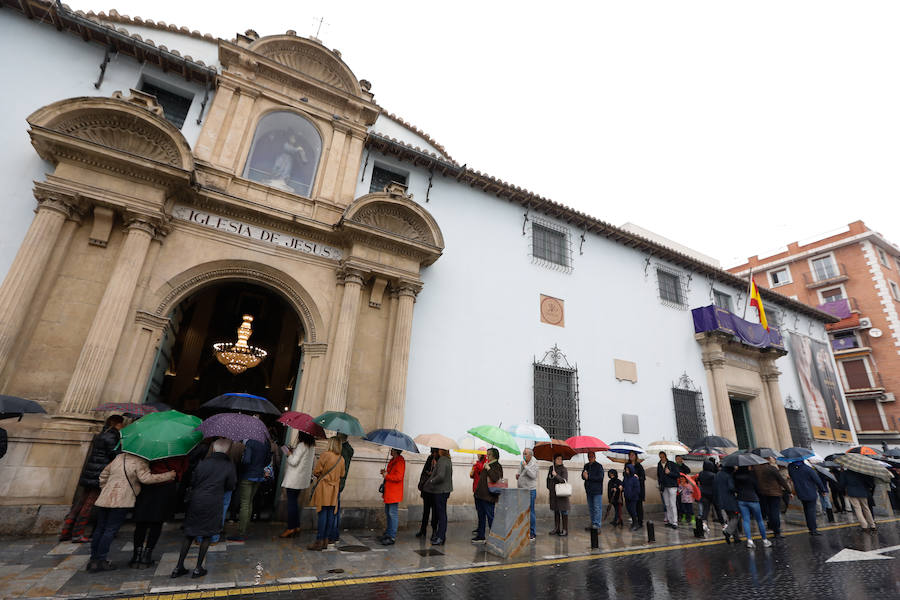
point(161, 184)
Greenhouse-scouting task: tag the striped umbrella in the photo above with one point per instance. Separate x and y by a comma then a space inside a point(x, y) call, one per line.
point(618, 451)
point(863, 464)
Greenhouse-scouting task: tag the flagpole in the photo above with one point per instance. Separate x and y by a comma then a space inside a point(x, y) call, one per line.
point(749, 291)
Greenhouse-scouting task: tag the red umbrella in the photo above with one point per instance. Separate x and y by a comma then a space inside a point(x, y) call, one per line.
point(587, 443)
point(547, 450)
point(302, 422)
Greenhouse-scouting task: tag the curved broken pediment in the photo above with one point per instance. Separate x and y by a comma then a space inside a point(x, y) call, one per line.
point(392, 214)
point(397, 220)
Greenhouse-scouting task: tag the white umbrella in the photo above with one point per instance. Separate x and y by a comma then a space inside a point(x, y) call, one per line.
point(529, 431)
point(674, 448)
point(470, 445)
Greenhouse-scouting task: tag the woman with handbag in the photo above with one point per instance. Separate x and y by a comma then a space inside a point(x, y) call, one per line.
point(560, 492)
point(297, 477)
point(439, 485)
point(329, 469)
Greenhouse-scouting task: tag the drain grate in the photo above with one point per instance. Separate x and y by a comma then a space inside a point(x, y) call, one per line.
point(335, 571)
point(429, 552)
point(354, 548)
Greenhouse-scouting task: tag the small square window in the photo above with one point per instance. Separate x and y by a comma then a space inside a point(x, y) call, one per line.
point(882, 257)
point(549, 244)
point(832, 295)
point(381, 178)
point(722, 300)
point(670, 287)
point(780, 277)
point(175, 106)
point(895, 290)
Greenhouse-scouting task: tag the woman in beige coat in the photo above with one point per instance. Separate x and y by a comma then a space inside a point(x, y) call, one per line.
point(120, 483)
point(329, 469)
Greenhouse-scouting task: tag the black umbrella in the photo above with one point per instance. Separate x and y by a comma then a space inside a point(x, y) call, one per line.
point(742, 458)
point(246, 403)
point(825, 472)
point(766, 453)
point(831, 464)
point(12, 407)
point(715, 441)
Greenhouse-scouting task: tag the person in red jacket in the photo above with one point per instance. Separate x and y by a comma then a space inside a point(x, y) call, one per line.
point(393, 495)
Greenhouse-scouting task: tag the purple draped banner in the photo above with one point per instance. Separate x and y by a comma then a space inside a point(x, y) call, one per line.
point(713, 318)
point(838, 308)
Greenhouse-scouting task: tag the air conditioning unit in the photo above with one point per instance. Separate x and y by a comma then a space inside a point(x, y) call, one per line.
point(865, 323)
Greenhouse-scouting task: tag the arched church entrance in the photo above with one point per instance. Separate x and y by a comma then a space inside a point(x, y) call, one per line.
point(187, 371)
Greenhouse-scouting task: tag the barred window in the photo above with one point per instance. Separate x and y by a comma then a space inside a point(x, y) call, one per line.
point(690, 416)
point(175, 106)
point(556, 395)
point(672, 288)
point(799, 429)
point(550, 244)
point(381, 178)
point(722, 300)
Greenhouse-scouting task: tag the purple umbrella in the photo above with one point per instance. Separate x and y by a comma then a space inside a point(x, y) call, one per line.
point(234, 426)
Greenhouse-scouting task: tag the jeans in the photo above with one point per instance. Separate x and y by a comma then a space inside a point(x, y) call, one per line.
point(669, 494)
point(80, 513)
point(826, 501)
point(809, 511)
point(749, 509)
point(293, 510)
point(440, 509)
point(773, 510)
point(392, 516)
point(108, 522)
point(326, 522)
point(247, 490)
point(595, 506)
point(533, 531)
point(485, 510)
point(334, 533)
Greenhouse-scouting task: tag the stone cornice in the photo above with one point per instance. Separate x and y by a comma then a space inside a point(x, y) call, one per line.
point(154, 322)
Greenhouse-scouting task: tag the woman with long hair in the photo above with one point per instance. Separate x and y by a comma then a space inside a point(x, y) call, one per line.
point(329, 469)
point(297, 477)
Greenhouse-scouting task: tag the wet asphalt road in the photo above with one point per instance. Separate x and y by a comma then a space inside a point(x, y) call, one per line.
point(795, 568)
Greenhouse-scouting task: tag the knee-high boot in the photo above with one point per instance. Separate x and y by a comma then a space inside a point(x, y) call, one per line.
point(555, 523)
point(565, 526)
point(134, 563)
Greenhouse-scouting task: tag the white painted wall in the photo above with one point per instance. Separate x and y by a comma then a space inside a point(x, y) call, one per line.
point(57, 67)
point(477, 326)
point(388, 127)
point(186, 45)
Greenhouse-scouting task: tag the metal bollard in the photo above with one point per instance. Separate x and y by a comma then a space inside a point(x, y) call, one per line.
point(651, 533)
point(595, 542)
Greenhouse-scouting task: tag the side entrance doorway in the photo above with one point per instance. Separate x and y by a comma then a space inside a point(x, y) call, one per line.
point(743, 426)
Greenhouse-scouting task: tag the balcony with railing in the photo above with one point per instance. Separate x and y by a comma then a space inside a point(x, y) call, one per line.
point(828, 274)
point(847, 343)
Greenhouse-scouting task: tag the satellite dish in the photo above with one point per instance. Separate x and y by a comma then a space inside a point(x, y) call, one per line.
point(875, 332)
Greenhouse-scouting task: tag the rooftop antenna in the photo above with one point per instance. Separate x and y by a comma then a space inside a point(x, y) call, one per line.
point(318, 24)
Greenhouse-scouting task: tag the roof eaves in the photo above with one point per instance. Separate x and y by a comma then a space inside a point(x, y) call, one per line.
point(416, 130)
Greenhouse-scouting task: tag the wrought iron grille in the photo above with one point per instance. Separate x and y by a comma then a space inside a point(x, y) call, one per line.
point(381, 178)
point(673, 287)
point(690, 416)
point(799, 430)
point(556, 396)
point(551, 245)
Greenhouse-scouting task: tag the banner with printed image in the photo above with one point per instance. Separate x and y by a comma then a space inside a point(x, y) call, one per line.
point(821, 394)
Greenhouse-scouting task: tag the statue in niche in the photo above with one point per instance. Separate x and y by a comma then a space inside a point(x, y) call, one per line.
point(284, 163)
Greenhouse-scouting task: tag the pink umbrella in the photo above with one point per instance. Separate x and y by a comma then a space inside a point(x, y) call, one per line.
point(586, 443)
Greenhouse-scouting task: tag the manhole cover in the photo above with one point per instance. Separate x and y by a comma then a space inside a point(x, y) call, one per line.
point(429, 552)
point(354, 548)
point(335, 571)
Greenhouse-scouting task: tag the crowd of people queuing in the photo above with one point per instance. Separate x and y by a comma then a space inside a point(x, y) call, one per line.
point(203, 485)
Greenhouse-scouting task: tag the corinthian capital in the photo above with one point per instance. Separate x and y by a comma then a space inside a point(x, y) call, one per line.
point(348, 274)
point(140, 224)
point(407, 288)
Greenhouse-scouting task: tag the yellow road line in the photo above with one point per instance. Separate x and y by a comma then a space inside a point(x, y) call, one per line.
point(312, 585)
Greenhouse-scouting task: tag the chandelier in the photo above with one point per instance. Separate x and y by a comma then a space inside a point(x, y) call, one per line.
point(239, 356)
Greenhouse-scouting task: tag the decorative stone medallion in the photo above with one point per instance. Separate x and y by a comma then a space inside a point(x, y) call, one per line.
point(552, 311)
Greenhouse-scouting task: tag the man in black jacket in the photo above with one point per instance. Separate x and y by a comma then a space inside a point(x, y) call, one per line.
point(103, 450)
point(667, 475)
point(593, 474)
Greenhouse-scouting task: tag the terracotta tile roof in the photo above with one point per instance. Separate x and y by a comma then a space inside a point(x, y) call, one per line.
point(115, 17)
point(417, 131)
point(583, 221)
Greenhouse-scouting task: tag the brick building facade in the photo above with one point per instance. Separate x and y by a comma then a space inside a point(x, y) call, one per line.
point(854, 275)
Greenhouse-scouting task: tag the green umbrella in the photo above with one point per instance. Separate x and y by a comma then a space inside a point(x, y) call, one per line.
point(161, 435)
point(496, 437)
point(340, 422)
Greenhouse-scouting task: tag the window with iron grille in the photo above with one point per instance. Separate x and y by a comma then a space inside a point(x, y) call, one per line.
point(556, 395)
point(175, 107)
point(381, 178)
point(722, 300)
point(550, 245)
point(799, 429)
point(690, 416)
point(672, 287)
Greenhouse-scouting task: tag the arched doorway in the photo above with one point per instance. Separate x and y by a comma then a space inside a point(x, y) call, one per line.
point(186, 372)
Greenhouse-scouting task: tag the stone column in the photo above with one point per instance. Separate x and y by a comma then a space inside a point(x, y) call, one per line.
point(18, 288)
point(714, 363)
point(342, 349)
point(309, 397)
point(95, 361)
point(770, 375)
point(395, 402)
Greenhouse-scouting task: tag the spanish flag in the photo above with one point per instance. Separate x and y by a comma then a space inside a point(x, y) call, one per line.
point(756, 301)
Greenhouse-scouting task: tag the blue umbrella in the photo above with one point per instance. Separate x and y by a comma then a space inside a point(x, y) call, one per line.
point(392, 439)
point(247, 403)
point(625, 447)
point(796, 454)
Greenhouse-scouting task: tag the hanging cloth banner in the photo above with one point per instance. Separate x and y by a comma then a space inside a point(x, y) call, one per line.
point(713, 318)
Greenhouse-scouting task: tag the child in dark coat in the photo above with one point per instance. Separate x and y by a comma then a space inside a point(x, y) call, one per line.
point(614, 491)
point(631, 485)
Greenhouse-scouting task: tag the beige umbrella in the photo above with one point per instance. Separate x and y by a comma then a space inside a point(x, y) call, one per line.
point(669, 447)
point(436, 440)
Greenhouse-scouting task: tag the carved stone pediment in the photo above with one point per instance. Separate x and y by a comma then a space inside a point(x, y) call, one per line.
point(397, 220)
point(309, 58)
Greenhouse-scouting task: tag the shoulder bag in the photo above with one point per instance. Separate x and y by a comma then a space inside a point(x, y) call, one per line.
point(563, 490)
point(322, 476)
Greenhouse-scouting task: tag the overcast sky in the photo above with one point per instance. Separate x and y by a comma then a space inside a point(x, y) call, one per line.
point(730, 127)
